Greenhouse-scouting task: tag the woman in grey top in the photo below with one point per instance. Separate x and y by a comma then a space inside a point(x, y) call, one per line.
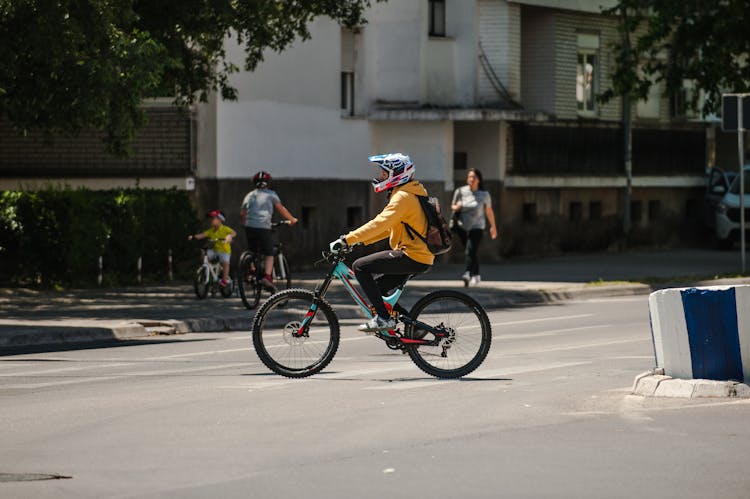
point(474, 206)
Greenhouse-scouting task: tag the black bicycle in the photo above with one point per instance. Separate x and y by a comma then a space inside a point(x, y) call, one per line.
point(250, 271)
point(446, 333)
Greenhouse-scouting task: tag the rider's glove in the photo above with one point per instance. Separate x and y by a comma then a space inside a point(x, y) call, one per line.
point(337, 245)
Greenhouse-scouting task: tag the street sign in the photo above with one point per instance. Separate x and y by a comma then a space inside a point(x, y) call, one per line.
point(729, 110)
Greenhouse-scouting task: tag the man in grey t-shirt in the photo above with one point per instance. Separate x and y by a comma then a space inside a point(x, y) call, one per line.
point(256, 213)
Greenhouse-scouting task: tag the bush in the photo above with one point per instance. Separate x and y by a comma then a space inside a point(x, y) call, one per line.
point(56, 236)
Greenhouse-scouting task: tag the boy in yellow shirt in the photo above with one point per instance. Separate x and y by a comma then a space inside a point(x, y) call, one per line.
point(222, 237)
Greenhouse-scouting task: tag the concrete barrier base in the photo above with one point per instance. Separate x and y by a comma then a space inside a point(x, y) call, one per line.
point(655, 384)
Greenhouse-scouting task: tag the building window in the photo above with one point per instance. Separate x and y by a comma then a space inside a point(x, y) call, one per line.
point(595, 210)
point(437, 17)
point(682, 100)
point(650, 107)
point(347, 92)
point(636, 211)
point(587, 74)
point(529, 212)
point(460, 161)
point(576, 211)
point(654, 210)
point(348, 62)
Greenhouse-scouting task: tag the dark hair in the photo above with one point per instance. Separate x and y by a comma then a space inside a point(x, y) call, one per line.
point(479, 176)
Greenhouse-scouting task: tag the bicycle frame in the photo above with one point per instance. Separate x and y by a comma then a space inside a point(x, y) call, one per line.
point(212, 267)
point(340, 271)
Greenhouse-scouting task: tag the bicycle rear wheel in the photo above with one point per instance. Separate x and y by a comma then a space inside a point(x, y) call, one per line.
point(468, 341)
point(247, 282)
point(281, 272)
point(201, 282)
point(280, 349)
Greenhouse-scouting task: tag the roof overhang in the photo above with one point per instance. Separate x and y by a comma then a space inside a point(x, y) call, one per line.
point(458, 114)
point(593, 6)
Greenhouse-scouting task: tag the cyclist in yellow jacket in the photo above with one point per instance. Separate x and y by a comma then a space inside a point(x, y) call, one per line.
point(408, 255)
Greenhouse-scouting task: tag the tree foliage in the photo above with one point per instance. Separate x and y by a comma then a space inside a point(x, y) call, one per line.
point(70, 64)
point(671, 41)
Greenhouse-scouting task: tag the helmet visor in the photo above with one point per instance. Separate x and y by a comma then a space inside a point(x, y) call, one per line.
point(381, 174)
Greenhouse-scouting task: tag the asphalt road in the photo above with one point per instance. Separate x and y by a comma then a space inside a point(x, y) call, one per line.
point(198, 416)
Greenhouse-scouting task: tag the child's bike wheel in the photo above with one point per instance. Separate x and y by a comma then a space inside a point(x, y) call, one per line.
point(467, 343)
point(201, 283)
point(276, 343)
point(226, 291)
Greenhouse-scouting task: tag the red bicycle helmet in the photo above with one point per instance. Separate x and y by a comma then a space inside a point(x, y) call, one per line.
point(262, 179)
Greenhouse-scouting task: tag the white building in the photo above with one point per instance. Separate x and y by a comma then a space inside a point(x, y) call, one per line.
point(506, 86)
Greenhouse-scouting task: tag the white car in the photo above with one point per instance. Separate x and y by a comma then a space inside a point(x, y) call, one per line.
point(728, 212)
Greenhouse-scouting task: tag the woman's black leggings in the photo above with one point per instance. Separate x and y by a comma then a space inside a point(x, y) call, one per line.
point(393, 266)
point(471, 241)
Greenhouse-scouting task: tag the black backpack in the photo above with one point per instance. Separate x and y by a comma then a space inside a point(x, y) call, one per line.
point(438, 237)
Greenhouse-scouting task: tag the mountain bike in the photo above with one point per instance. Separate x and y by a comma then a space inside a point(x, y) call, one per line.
point(446, 333)
point(250, 270)
point(208, 276)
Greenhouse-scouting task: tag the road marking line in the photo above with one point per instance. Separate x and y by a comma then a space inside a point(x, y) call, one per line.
point(31, 386)
point(249, 348)
point(576, 347)
point(544, 319)
point(408, 385)
point(551, 332)
point(62, 370)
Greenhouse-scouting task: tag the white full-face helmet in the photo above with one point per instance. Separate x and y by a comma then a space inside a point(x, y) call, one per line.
point(399, 169)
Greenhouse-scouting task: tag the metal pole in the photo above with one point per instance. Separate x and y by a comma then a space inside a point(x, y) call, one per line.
point(627, 119)
point(140, 266)
point(628, 154)
point(741, 149)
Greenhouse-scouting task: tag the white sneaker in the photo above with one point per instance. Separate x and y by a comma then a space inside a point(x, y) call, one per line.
point(466, 278)
point(475, 280)
point(377, 324)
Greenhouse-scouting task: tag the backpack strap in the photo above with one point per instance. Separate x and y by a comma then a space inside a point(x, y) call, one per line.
point(413, 232)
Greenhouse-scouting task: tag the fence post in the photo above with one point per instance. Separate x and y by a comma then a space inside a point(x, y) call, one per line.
point(140, 266)
point(169, 265)
point(101, 268)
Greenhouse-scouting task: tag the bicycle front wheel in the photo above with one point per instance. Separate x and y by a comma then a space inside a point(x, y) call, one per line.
point(247, 282)
point(275, 339)
point(467, 342)
point(201, 282)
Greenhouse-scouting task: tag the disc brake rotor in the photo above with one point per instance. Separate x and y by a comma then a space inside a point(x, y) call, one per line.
point(290, 333)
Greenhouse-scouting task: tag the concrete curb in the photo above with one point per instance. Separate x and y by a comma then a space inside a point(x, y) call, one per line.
point(655, 384)
point(73, 335)
point(490, 298)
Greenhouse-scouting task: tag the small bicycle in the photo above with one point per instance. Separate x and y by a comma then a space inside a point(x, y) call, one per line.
point(208, 276)
point(446, 333)
point(250, 271)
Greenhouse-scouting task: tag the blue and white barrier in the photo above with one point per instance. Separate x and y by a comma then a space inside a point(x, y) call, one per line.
point(702, 333)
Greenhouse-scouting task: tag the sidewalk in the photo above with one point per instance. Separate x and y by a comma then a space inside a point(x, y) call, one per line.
point(30, 317)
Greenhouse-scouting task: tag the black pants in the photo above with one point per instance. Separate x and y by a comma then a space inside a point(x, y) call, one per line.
point(394, 268)
point(471, 241)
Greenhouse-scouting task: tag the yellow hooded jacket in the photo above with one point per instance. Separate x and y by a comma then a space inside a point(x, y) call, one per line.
point(403, 206)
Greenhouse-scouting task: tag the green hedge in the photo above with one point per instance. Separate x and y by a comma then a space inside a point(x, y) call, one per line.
point(55, 236)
